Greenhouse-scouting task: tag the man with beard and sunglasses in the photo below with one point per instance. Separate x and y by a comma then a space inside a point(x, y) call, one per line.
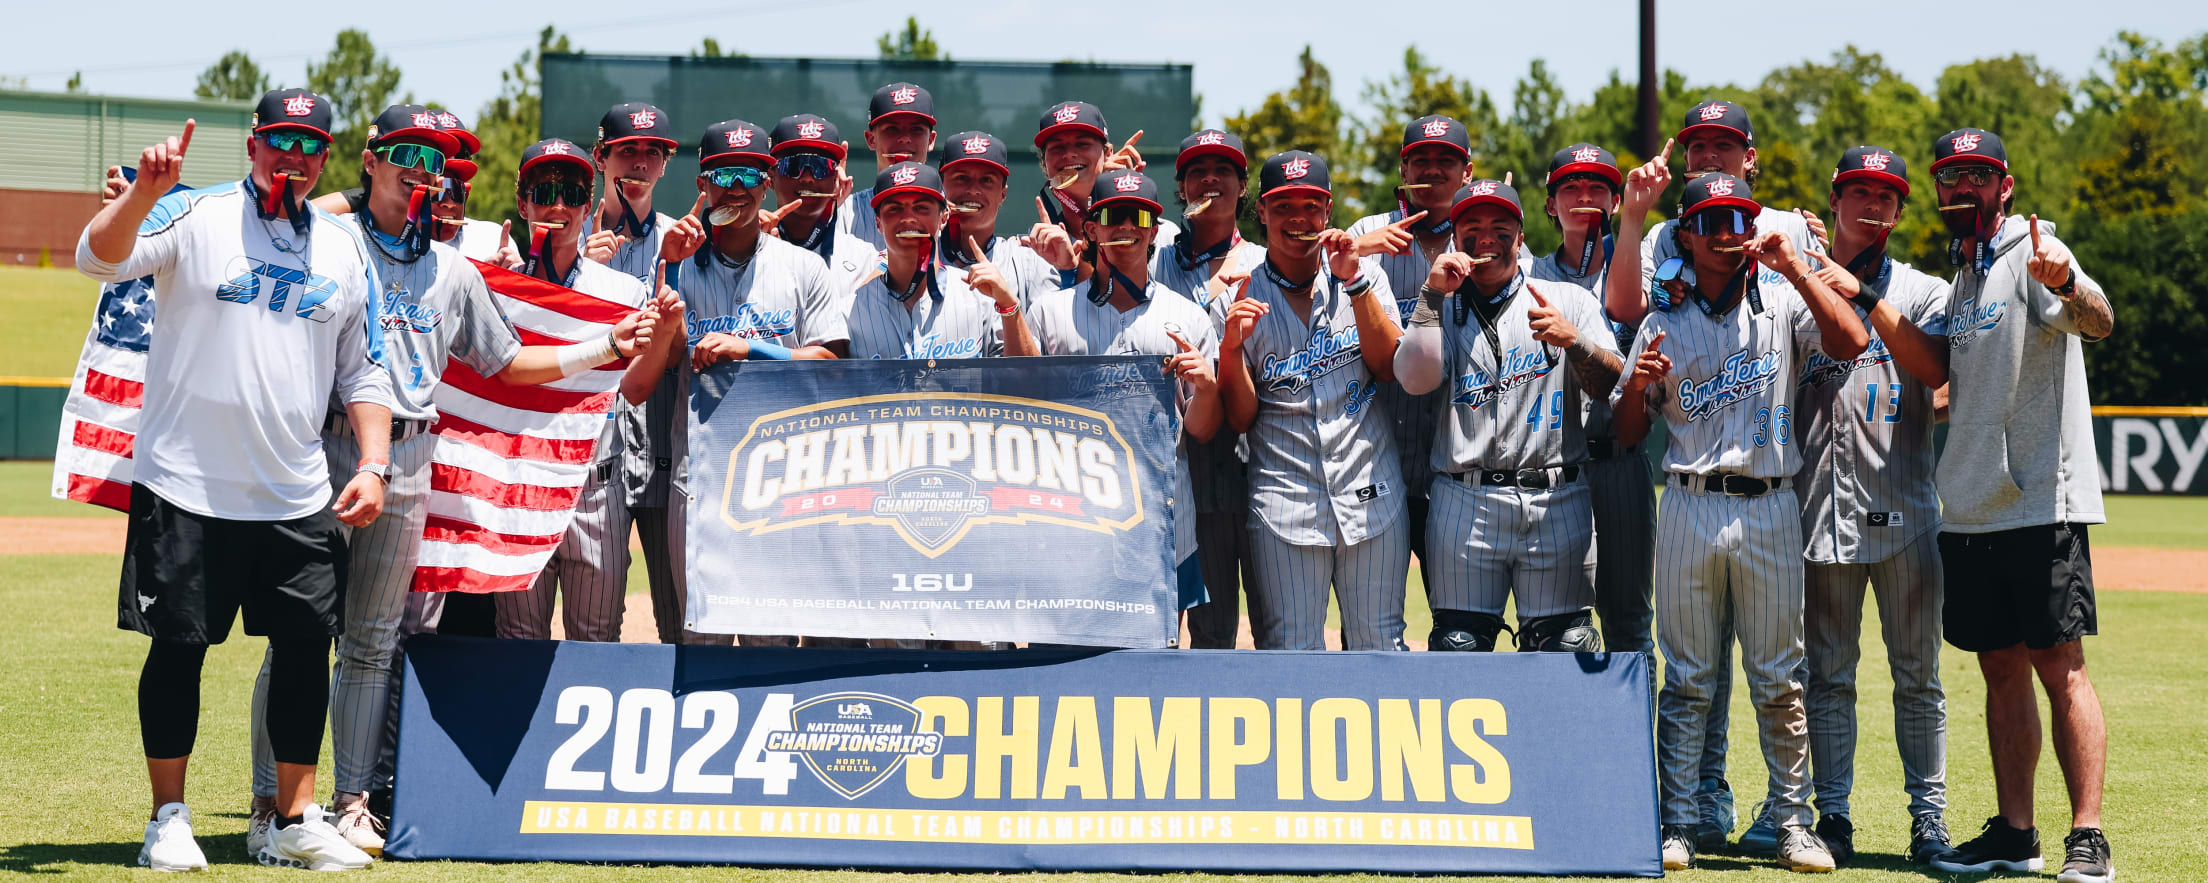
point(1512, 516)
point(2018, 484)
point(1436, 161)
point(266, 311)
point(1211, 177)
point(434, 309)
point(1583, 194)
point(810, 185)
point(1729, 534)
point(1309, 339)
point(1719, 138)
point(1123, 310)
point(900, 127)
point(1869, 511)
point(917, 308)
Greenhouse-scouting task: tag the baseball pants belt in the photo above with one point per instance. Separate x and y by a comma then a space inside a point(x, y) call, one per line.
point(1531, 479)
point(1731, 485)
point(341, 425)
point(1606, 448)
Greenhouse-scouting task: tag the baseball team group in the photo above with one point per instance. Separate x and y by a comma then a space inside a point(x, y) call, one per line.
point(1418, 384)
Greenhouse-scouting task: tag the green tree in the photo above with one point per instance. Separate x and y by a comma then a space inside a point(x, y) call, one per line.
point(711, 48)
point(234, 77)
point(2138, 128)
point(1303, 117)
point(359, 84)
point(1421, 88)
point(910, 44)
point(2150, 265)
point(76, 83)
point(508, 124)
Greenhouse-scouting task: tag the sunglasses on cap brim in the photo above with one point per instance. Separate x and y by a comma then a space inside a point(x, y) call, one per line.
point(414, 156)
point(1115, 215)
point(806, 165)
point(725, 177)
point(558, 192)
point(1710, 222)
point(1978, 174)
point(286, 141)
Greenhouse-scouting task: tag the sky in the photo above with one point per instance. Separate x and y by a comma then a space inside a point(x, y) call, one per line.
point(1240, 55)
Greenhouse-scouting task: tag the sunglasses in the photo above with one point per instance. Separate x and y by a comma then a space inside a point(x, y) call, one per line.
point(806, 165)
point(1977, 175)
point(725, 177)
point(557, 192)
point(414, 156)
point(1115, 215)
point(285, 142)
point(455, 192)
point(1710, 222)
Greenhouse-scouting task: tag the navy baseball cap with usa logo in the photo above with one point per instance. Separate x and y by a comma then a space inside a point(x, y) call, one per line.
point(296, 109)
point(1584, 159)
point(1487, 191)
point(1125, 185)
point(412, 122)
point(1437, 129)
point(556, 151)
point(907, 177)
point(901, 99)
point(727, 141)
point(980, 147)
point(1717, 190)
point(805, 130)
point(1872, 163)
point(1969, 145)
point(1211, 142)
point(1074, 115)
point(636, 121)
point(1718, 116)
point(1291, 171)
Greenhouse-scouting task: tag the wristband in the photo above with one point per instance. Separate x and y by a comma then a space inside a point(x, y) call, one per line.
point(769, 352)
point(576, 358)
point(1357, 286)
point(1865, 300)
point(1069, 278)
point(2069, 287)
point(1008, 309)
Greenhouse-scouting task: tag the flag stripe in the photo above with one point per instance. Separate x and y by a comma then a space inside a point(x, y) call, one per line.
point(507, 470)
point(461, 579)
point(462, 431)
point(500, 418)
point(455, 480)
point(101, 438)
point(517, 522)
point(114, 390)
point(533, 398)
point(100, 492)
point(452, 530)
point(482, 560)
point(568, 302)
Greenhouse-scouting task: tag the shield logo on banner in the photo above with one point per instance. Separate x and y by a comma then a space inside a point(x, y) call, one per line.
point(931, 506)
point(854, 741)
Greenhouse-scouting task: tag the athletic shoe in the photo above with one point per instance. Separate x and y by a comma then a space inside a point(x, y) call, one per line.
point(314, 845)
point(1714, 828)
point(1762, 838)
point(2087, 859)
point(1678, 847)
point(1839, 836)
point(1801, 851)
point(1997, 848)
point(260, 819)
point(358, 826)
point(169, 844)
point(1928, 838)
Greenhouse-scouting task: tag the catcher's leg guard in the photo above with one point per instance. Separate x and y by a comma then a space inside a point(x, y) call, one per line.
point(1465, 631)
point(1563, 633)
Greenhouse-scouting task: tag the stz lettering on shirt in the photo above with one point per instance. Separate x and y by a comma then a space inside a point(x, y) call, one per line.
point(245, 286)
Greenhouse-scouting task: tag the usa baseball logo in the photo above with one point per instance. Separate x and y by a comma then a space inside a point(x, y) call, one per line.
point(1483, 188)
point(1713, 112)
point(1127, 184)
point(739, 138)
point(1586, 154)
point(853, 741)
point(1436, 128)
point(1966, 142)
point(447, 121)
point(904, 176)
point(809, 129)
point(298, 106)
point(906, 95)
point(976, 145)
point(556, 148)
point(1211, 138)
point(1295, 168)
point(1877, 162)
point(643, 119)
point(1741, 378)
point(425, 120)
point(1721, 187)
point(1066, 113)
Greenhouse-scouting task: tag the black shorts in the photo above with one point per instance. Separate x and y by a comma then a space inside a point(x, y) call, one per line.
point(185, 575)
point(2029, 585)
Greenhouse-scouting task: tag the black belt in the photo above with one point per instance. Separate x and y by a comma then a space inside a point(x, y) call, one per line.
point(342, 425)
point(1606, 448)
point(1530, 479)
point(1731, 485)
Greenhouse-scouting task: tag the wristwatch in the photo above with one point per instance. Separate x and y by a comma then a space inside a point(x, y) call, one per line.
point(377, 469)
point(2069, 287)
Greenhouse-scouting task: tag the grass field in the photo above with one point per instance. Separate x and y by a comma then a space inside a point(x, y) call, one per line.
point(48, 311)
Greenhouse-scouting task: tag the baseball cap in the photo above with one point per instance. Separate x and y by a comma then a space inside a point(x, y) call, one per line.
point(292, 109)
point(411, 121)
point(900, 98)
point(806, 130)
point(554, 150)
point(726, 141)
point(1293, 170)
point(1719, 115)
point(1969, 145)
point(907, 177)
point(1584, 159)
point(1717, 190)
point(1487, 191)
point(1211, 142)
point(1436, 129)
point(1872, 164)
point(1125, 185)
point(636, 121)
point(1071, 115)
point(980, 147)
point(462, 170)
point(451, 124)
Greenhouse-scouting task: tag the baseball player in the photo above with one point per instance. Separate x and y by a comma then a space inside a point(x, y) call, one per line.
point(634, 142)
point(1308, 340)
point(1211, 177)
point(477, 239)
point(900, 127)
point(1718, 137)
point(975, 168)
point(1436, 162)
point(916, 308)
point(1122, 310)
point(265, 307)
point(810, 182)
point(1728, 532)
point(1583, 192)
point(2018, 485)
point(1512, 514)
point(1075, 146)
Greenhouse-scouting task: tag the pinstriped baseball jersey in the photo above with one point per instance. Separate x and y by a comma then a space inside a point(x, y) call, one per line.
point(1221, 478)
point(947, 320)
point(1413, 418)
point(1069, 322)
point(856, 219)
point(1728, 402)
point(1518, 408)
point(1322, 455)
point(1595, 420)
point(1029, 275)
point(605, 283)
point(1195, 280)
point(1660, 245)
point(1866, 429)
point(432, 309)
point(635, 257)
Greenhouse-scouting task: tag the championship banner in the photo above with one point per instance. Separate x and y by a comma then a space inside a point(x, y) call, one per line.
point(967, 500)
point(1027, 759)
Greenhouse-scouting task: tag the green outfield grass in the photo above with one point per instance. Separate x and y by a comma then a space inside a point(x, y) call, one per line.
point(75, 795)
point(47, 311)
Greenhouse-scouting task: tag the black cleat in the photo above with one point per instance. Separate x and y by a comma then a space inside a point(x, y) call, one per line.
point(1839, 836)
point(1997, 848)
point(2086, 857)
point(1928, 838)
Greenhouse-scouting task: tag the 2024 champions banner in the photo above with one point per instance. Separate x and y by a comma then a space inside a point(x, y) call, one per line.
point(1027, 759)
point(975, 499)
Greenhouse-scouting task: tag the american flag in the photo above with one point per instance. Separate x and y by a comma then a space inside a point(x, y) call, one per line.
point(99, 419)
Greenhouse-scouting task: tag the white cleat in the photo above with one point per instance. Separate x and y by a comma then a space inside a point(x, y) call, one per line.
point(359, 827)
point(259, 821)
point(169, 844)
point(312, 844)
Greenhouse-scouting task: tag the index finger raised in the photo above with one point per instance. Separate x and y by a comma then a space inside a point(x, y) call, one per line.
point(1185, 346)
point(185, 142)
point(698, 211)
point(1657, 341)
point(1537, 298)
point(1132, 140)
point(2035, 232)
point(1407, 222)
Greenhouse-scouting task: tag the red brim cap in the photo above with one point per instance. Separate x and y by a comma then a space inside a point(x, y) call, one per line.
point(438, 138)
point(1750, 206)
point(1887, 178)
point(468, 140)
point(721, 159)
point(1453, 146)
point(295, 127)
point(1970, 157)
point(1494, 199)
point(1604, 171)
point(1045, 134)
point(461, 169)
point(1225, 151)
point(578, 161)
point(881, 196)
point(668, 143)
point(834, 149)
point(946, 167)
point(1150, 204)
point(1689, 132)
point(1291, 188)
point(903, 113)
